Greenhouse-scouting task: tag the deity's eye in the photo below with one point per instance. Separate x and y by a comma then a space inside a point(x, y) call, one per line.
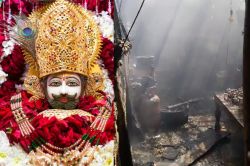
point(55, 83)
point(72, 83)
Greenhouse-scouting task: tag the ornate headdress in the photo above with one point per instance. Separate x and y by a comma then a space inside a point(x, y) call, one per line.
point(67, 39)
point(61, 37)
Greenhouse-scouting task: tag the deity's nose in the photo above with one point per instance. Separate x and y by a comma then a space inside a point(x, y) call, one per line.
point(63, 89)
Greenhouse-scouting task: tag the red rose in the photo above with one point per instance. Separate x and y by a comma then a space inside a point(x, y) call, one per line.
point(86, 103)
point(14, 65)
point(41, 105)
point(107, 56)
point(108, 49)
point(15, 135)
point(6, 117)
point(36, 105)
point(7, 89)
point(95, 112)
point(61, 133)
point(25, 144)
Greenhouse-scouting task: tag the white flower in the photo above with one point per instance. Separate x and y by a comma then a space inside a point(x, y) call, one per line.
point(11, 155)
point(3, 76)
point(104, 155)
point(8, 47)
point(106, 25)
point(109, 90)
point(108, 85)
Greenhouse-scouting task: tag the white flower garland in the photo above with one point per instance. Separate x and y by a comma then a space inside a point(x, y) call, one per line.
point(106, 25)
point(103, 155)
point(109, 89)
point(15, 156)
point(11, 155)
point(8, 46)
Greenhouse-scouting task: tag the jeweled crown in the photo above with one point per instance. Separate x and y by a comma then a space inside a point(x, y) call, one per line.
point(68, 39)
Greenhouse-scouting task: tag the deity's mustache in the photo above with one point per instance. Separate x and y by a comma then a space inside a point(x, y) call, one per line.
point(63, 101)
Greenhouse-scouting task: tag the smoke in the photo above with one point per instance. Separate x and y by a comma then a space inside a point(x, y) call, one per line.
point(197, 44)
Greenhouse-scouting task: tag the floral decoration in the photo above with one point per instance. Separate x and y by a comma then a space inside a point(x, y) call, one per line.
point(61, 133)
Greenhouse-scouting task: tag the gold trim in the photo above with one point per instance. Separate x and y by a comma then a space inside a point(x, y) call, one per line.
point(62, 114)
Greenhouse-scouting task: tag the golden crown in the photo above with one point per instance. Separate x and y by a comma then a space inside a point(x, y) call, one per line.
point(60, 37)
point(67, 39)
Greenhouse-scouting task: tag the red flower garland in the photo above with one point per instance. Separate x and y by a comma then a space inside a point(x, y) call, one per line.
point(14, 64)
point(61, 133)
point(107, 56)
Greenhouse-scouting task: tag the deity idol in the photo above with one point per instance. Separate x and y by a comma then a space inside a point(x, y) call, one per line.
point(64, 115)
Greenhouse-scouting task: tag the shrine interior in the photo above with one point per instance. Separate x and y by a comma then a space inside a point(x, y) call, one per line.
point(184, 79)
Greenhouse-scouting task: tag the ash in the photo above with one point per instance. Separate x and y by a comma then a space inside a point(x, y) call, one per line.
point(184, 144)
